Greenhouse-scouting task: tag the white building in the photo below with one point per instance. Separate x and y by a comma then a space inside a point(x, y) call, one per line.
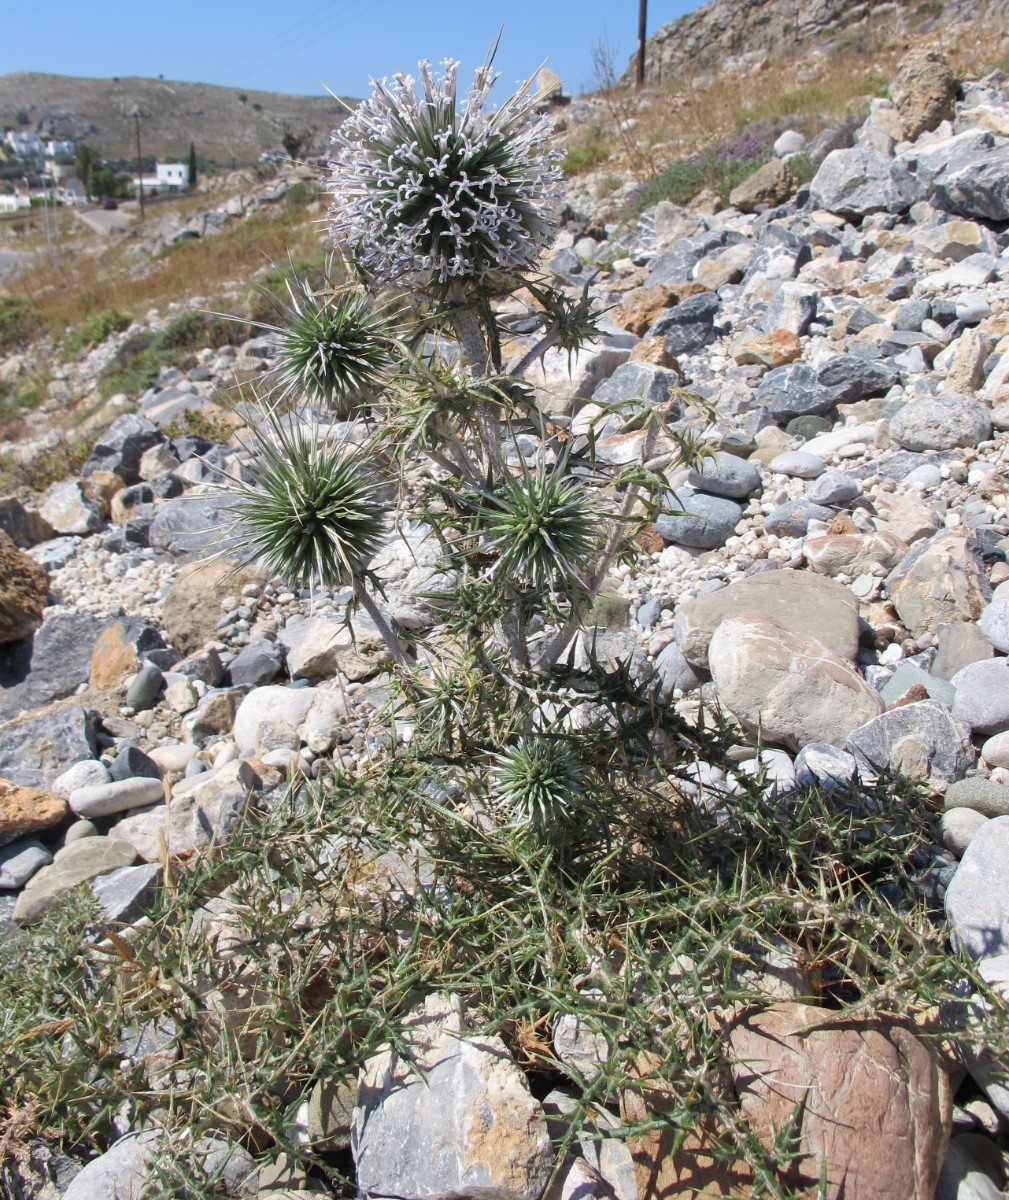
point(14, 203)
point(57, 149)
point(172, 177)
point(25, 145)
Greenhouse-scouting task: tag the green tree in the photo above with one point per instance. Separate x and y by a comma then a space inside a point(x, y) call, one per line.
point(192, 165)
point(22, 117)
point(87, 160)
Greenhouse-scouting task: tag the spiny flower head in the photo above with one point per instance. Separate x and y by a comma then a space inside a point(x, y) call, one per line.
point(536, 783)
point(426, 186)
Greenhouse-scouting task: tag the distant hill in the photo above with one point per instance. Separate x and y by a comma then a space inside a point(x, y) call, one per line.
point(733, 34)
point(228, 126)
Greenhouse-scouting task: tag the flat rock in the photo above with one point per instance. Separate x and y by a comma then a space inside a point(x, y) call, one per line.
point(37, 748)
point(726, 475)
point(20, 860)
point(820, 764)
point(798, 463)
point(793, 391)
point(941, 579)
point(320, 647)
point(73, 865)
point(941, 423)
point(127, 894)
point(856, 182)
point(71, 507)
point(25, 810)
point(121, 1173)
point(985, 796)
point(994, 623)
point(799, 600)
point(959, 644)
point(833, 487)
point(256, 664)
point(50, 665)
point(192, 526)
point(870, 1105)
point(923, 742)
point(695, 519)
point(852, 553)
point(982, 695)
point(792, 518)
point(785, 684)
point(977, 899)
point(457, 1119)
point(116, 796)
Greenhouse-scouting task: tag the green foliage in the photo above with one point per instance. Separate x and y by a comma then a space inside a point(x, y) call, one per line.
point(536, 784)
point(19, 323)
point(22, 117)
point(191, 173)
point(590, 151)
point(138, 361)
point(720, 167)
point(93, 330)
point(299, 196)
point(801, 168)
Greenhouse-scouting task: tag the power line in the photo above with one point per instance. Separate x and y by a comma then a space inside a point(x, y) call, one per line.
point(316, 33)
point(255, 52)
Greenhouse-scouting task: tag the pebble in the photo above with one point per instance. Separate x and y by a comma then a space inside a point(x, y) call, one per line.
point(799, 464)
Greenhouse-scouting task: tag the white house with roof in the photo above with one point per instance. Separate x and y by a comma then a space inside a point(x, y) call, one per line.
point(14, 202)
point(171, 176)
point(25, 145)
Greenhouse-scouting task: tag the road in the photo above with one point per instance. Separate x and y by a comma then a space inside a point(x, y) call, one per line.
point(107, 221)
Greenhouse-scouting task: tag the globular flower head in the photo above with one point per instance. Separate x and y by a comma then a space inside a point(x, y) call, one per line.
point(536, 783)
point(312, 513)
point(429, 187)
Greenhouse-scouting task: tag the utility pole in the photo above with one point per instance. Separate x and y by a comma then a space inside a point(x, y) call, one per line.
point(140, 162)
point(642, 25)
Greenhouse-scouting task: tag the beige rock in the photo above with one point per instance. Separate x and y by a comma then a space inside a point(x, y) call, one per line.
point(786, 685)
point(767, 349)
point(966, 374)
point(799, 600)
point(27, 810)
point(906, 518)
point(193, 607)
point(768, 186)
point(653, 350)
point(852, 553)
point(924, 92)
point(24, 592)
point(639, 308)
point(871, 1104)
point(113, 658)
point(942, 579)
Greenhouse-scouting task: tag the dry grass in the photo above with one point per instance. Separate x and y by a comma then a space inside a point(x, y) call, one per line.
point(679, 118)
point(82, 279)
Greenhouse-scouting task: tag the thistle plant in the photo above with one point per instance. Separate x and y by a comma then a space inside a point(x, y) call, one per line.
point(443, 206)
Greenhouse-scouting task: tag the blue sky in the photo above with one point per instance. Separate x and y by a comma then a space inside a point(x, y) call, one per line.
point(298, 45)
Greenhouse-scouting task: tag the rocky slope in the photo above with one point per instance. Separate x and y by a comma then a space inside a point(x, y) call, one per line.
point(228, 126)
point(729, 35)
point(835, 578)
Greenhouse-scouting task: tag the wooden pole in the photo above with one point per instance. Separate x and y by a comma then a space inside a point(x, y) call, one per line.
point(642, 25)
point(140, 166)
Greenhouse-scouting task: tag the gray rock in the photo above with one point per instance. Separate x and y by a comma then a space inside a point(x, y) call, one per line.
point(978, 187)
point(69, 507)
point(859, 181)
point(272, 703)
point(799, 599)
point(851, 377)
point(256, 664)
point(214, 715)
point(456, 1119)
point(104, 799)
point(20, 860)
point(687, 327)
point(192, 526)
point(120, 448)
point(819, 764)
point(636, 382)
point(985, 796)
point(319, 647)
point(994, 623)
point(792, 307)
point(131, 763)
point(972, 1170)
point(941, 423)
point(672, 672)
point(145, 689)
point(48, 666)
point(909, 675)
point(922, 742)
point(82, 774)
point(73, 865)
point(960, 643)
point(958, 826)
point(793, 391)
point(34, 750)
point(693, 518)
point(22, 523)
point(726, 475)
point(832, 487)
point(977, 901)
point(122, 1173)
point(127, 894)
point(792, 518)
point(676, 263)
point(331, 1107)
point(982, 695)
point(799, 464)
point(55, 553)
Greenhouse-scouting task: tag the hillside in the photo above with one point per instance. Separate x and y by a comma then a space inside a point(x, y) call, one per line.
point(229, 126)
point(733, 34)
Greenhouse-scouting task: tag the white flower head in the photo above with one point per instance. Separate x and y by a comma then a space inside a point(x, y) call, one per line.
point(425, 186)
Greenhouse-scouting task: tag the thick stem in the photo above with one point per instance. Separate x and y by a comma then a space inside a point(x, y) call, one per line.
point(474, 348)
point(381, 624)
point(537, 351)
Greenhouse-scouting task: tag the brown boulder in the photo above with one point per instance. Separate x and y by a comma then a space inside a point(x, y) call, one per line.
point(192, 608)
point(774, 349)
point(24, 590)
point(26, 810)
point(870, 1105)
point(640, 308)
point(924, 92)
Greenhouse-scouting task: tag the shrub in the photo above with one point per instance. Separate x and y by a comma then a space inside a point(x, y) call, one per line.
point(19, 323)
point(720, 167)
point(591, 151)
point(93, 331)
